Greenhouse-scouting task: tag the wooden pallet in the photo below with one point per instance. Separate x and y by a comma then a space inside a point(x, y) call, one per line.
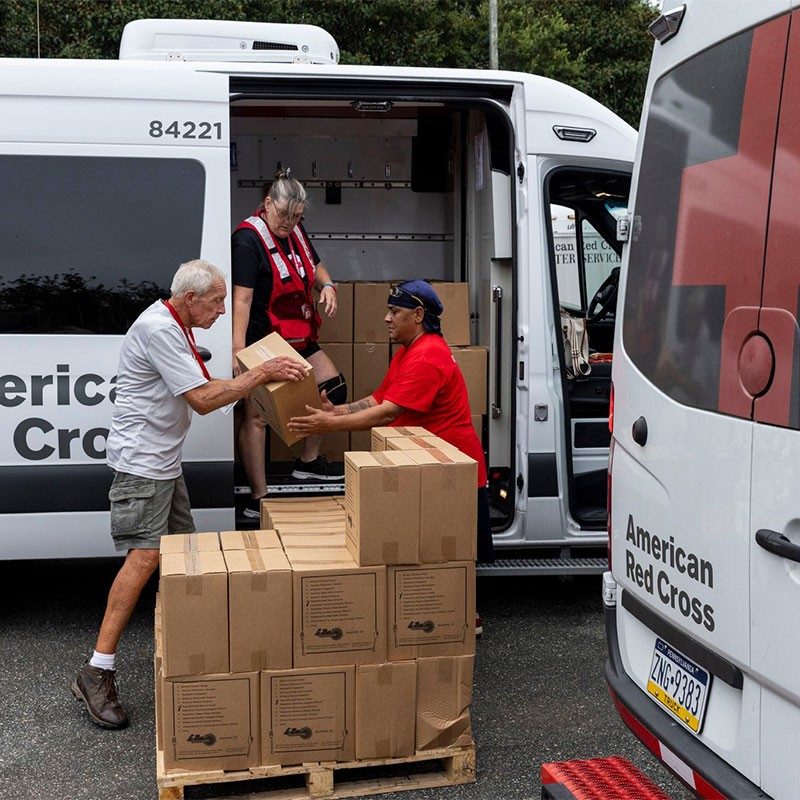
point(450, 766)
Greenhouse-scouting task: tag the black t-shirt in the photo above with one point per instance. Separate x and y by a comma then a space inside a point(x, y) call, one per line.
point(251, 269)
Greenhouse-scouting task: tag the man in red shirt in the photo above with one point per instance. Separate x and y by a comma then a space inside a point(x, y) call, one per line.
point(424, 386)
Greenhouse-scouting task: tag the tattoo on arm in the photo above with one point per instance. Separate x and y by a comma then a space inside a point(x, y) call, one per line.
point(360, 405)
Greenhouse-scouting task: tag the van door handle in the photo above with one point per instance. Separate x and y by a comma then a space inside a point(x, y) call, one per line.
point(204, 354)
point(777, 543)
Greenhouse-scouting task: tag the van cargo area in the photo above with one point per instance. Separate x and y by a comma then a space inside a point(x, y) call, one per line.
point(394, 193)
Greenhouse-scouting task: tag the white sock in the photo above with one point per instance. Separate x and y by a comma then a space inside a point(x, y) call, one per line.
point(102, 660)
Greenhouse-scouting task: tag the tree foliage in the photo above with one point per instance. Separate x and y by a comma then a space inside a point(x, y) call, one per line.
point(598, 46)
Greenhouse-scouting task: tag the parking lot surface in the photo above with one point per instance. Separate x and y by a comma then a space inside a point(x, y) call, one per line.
point(539, 689)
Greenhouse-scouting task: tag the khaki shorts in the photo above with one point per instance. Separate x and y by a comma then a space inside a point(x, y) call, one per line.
point(143, 510)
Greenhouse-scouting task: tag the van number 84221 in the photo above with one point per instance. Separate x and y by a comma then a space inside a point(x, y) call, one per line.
point(185, 130)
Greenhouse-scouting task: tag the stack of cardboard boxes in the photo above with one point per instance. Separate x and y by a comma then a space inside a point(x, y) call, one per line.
point(357, 342)
point(343, 630)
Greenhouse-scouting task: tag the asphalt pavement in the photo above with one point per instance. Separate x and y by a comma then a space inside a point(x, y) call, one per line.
point(539, 689)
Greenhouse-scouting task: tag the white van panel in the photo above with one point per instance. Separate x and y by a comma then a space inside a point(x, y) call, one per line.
point(82, 534)
point(775, 599)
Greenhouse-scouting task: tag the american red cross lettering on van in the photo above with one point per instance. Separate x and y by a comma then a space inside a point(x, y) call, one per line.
point(723, 210)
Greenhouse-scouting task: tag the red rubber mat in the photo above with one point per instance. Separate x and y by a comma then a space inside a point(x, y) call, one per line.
point(599, 779)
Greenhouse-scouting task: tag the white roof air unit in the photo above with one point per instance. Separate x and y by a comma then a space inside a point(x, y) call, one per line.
point(215, 40)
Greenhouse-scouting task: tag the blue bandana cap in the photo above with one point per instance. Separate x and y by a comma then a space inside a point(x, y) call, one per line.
point(419, 294)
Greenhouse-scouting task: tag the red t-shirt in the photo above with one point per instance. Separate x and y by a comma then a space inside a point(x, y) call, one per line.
point(426, 381)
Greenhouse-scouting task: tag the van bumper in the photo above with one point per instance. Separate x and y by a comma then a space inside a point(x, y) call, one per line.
point(704, 772)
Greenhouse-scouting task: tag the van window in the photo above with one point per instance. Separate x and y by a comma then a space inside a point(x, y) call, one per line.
point(86, 243)
point(673, 324)
point(599, 258)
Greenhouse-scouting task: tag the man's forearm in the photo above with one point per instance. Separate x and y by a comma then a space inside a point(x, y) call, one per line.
point(356, 406)
point(220, 393)
point(369, 415)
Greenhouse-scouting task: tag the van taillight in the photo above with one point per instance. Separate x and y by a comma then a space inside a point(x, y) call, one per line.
point(611, 410)
point(608, 497)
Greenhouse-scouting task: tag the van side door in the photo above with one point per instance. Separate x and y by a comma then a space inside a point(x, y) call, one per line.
point(113, 174)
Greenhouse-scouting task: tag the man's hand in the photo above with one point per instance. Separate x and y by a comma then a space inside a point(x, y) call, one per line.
point(282, 368)
point(328, 297)
point(317, 421)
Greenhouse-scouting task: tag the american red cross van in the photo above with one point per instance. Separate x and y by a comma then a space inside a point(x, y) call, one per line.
point(703, 597)
point(114, 172)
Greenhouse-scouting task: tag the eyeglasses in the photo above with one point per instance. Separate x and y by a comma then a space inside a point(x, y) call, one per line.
point(396, 291)
point(287, 218)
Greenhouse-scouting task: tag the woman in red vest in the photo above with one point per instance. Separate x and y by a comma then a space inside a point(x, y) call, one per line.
point(275, 268)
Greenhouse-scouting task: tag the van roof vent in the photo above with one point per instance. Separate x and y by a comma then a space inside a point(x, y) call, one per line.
point(273, 46)
point(217, 40)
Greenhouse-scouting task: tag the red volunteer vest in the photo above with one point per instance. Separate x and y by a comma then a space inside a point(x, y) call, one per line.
point(291, 309)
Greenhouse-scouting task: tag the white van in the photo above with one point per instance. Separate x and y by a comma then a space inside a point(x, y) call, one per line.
point(113, 172)
point(702, 601)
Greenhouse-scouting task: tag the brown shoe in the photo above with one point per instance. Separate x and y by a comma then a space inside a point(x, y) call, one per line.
point(97, 689)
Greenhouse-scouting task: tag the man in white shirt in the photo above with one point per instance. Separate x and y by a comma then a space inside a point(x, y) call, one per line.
point(161, 380)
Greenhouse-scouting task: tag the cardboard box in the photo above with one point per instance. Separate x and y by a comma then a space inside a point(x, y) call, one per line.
point(381, 434)
point(360, 441)
point(431, 610)
point(291, 541)
point(429, 442)
point(249, 540)
point(386, 700)
point(381, 496)
point(293, 504)
point(340, 327)
point(339, 609)
point(194, 598)
point(308, 532)
point(448, 519)
point(189, 542)
point(308, 715)
point(474, 364)
point(260, 609)
point(455, 317)
point(279, 401)
point(370, 362)
point(158, 673)
point(444, 694)
point(211, 722)
point(369, 310)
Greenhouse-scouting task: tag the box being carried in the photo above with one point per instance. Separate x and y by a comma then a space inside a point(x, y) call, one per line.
point(279, 401)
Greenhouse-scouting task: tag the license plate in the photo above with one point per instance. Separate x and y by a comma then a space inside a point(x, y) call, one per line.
point(679, 685)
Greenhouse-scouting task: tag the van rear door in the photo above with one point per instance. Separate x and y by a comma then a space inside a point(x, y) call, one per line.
point(775, 517)
point(113, 174)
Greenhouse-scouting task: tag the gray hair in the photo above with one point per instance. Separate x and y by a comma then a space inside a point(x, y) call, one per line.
point(196, 276)
point(286, 191)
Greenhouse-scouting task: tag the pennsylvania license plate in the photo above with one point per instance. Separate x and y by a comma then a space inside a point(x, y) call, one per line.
point(679, 685)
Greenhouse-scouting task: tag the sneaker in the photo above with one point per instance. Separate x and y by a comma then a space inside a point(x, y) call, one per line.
point(252, 509)
point(319, 469)
point(478, 624)
point(97, 689)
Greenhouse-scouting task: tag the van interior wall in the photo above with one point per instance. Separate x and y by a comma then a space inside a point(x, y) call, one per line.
point(363, 217)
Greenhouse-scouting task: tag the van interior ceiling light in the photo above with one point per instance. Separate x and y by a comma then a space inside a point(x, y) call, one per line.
point(381, 106)
point(668, 24)
point(569, 134)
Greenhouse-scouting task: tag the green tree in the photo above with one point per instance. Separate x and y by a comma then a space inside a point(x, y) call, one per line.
point(598, 46)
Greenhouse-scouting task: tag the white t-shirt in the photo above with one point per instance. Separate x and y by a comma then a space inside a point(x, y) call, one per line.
point(151, 417)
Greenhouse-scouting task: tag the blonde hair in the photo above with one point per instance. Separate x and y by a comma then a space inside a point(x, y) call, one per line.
point(196, 276)
point(286, 191)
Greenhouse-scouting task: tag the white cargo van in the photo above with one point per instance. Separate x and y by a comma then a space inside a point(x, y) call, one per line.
point(113, 172)
point(702, 601)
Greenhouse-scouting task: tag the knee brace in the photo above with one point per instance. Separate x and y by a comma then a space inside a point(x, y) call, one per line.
point(336, 389)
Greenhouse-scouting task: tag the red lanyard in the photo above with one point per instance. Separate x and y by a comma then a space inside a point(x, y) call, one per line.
point(189, 337)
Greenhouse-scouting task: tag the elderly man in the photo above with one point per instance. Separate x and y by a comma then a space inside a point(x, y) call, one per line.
point(161, 380)
point(423, 386)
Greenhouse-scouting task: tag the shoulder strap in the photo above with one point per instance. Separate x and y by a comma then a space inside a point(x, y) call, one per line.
point(260, 227)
